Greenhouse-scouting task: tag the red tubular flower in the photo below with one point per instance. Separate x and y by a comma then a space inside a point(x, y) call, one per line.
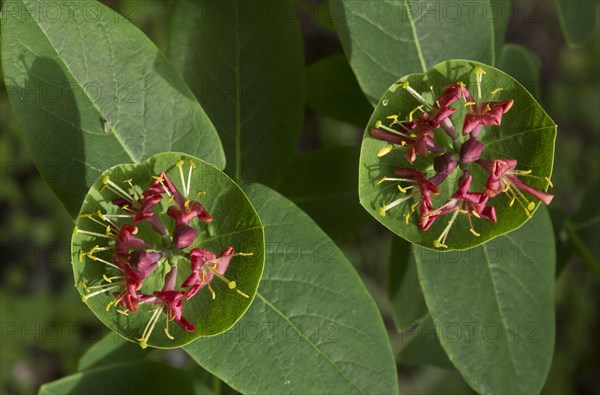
point(205, 266)
point(126, 241)
point(503, 178)
point(144, 262)
point(465, 202)
point(443, 166)
point(486, 113)
point(471, 150)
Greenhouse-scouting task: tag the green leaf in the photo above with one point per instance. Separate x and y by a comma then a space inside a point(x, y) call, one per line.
point(235, 223)
point(526, 134)
point(493, 307)
point(139, 377)
point(420, 343)
point(523, 65)
point(109, 350)
point(323, 184)
point(313, 326)
point(583, 228)
point(578, 20)
point(384, 40)
point(332, 90)
point(244, 62)
point(91, 91)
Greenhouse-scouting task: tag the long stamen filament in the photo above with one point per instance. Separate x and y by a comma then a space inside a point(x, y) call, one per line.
point(149, 328)
point(179, 165)
point(393, 204)
point(415, 94)
point(117, 189)
point(440, 242)
point(192, 167)
point(380, 125)
point(76, 230)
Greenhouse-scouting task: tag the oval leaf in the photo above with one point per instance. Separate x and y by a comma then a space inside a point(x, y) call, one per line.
point(386, 39)
point(103, 251)
point(245, 63)
point(91, 91)
point(313, 326)
point(526, 134)
point(493, 307)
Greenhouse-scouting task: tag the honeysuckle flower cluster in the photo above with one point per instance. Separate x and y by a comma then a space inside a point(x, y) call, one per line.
point(415, 135)
point(134, 259)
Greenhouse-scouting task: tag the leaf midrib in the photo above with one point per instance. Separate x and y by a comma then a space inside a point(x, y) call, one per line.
point(64, 63)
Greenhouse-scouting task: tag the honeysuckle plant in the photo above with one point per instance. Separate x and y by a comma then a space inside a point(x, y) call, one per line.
point(197, 224)
point(456, 156)
point(152, 245)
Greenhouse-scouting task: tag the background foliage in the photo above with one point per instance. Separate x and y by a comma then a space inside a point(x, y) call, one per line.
point(46, 329)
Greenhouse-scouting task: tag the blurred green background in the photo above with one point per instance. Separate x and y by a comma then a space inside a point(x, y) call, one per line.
point(45, 328)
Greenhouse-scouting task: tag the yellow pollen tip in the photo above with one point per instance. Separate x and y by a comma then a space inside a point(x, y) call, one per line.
point(107, 230)
point(192, 164)
point(470, 103)
point(105, 180)
point(474, 232)
point(128, 181)
point(496, 91)
point(186, 204)
point(406, 217)
point(143, 343)
point(527, 212)
point(382, 210)
point(85, 215)
point(507, 187)
point(512, 201)
point(476, 214)
point(438, 244)
point(108, 280)
point(102, 217)
point(550, 184)
point(179, 163)
point(524, 172)
point(109, 305)
point(168, 334)
point(488, 108)
point(385, 150)
point(405, 84)
point(478, 70)
point(231, 284)
point(85, 287)
point(378, 124)
point(245, 253)
point(403, 190)
point(80, 255)
point(170, 199)
point(531, 206)
point(403, 143)
point(413, 207)
point(394, 117)
point(75, 229)
point(200, 193)
point(380, 181)
point(84, 298)
point(123, 312)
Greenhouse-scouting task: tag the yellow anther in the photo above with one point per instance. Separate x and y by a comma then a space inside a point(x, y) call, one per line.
point(405, 84)
point(381, 180)
point(382, 210)
point(523, 172)
point(507, 187)
point(479, 71)
point(109, 305)
point(393, 117)
point(168, 334)
point(128, 181)
point(549, 182)
point(385, 150)
point(496, 91)
point(200, 193)
point(438, 244)
point(476, 214)
point(85, 287)
point(231, 284)
point(403, 143)
point(85, 215)
point(105, 180)
point(80, 255)
point(531, 206)
point(186, 204)
point(406, 217)
point(157, 178)
point(474, 232)
point(245, 253)
point(108, 280)
point(488, 108)
point(527, 212)
point(470, 103)
point(410, 115)
point(512, 201)
point(212, 292)
point(126, 314)
point(102, 217)
point(75, 229)
point(404, 190)
point(192, 164)
point(107, 231)
point(179, 163)
point(143, 343)
point(413, 207)
point(378, 124)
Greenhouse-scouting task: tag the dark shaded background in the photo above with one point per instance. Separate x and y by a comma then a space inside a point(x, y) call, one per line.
point(45, 327)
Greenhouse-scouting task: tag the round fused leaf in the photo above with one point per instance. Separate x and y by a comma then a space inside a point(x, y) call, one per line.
point(526, 133)
point(234, 224)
